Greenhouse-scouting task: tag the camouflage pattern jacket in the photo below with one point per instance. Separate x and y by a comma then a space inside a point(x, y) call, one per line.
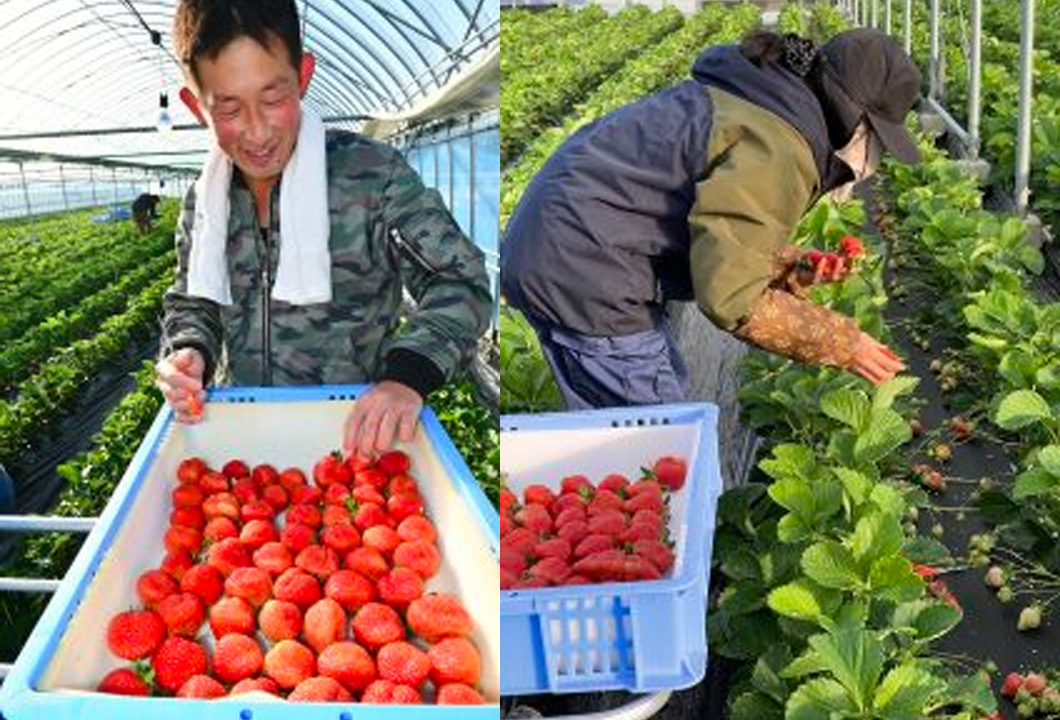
point(388, 232)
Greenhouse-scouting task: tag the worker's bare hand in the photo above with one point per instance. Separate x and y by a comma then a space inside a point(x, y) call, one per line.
point(387, 412)
point(874, 361)
point(180, 376)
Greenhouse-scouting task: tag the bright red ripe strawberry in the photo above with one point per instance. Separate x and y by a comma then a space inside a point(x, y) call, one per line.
point(637, 532)
point(577, 485)
point(506, 524)
point(568, 501)
point(292, 478)
point(222, 504)
point(231, 615)
point(336, 494)
point(670, 472)
point(438, 615)
point(276, 497)
point(556, 547)
point(187, 496)
point(521, 540)
point(324, 623)
point(341, 537)
point(297, 586)
point(417, 527)
point(608, 522)
point(1013, 682)
point(382, 538)
point(508, 579)
point(336, 515)
point(507, 501)
point(260, 684)
point(512, 560)
point(553, 570)
point(455, 660)
point(318, 560)
point(123, 681)
point(369, 515)
point(358, 462)
point(401, 484)
point(237, 657)
point(399, 587)
point(206, 581)
point(320, 689)
point(368, 494)
point(305, 495)
point(644, 486)
point(384, 692)
point(371, 476)
point(576, 579)
point(648, 517)
point(289, 662)
point(330, 470)
point(297, 537)
point(201, 687)
point(616, 483)
point(534, 518)
point(420, 556)
point(574, 531)
point(154, 585)
point(657, 553)
point(368, 562)
point(571, 514)
point(190, 470)
point(377, 624)
point(220, 528)
point(458, 694)
point(616, 566)
point(135, 634)
point(179, 537)
point(538, 495)
point(348, 663)
point(394, 462)
point(404, 505)
point(192, 517)
point(604, 500)
point(183, 614)
point(250, 583)
point(273, 558)
point(851, 247)
point(645, 501)
point(215, 483)
point(256, 533)
point(530, 582)
point(227, 555)
point(349, 589)
point(280, 620)
point(256, 510)
point(235, 469)
point(264, 475)
point(176, 660)
point(175, 564)
point(403, 663)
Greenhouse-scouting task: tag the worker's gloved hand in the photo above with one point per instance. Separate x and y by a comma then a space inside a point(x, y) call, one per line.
point(874, 361)
point(387, 412)
point(180, 380)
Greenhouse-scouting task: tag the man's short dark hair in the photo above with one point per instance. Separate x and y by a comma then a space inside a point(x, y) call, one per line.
point(203, 28)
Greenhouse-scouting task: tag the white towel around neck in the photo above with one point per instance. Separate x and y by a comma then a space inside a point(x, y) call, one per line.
point(303, 275)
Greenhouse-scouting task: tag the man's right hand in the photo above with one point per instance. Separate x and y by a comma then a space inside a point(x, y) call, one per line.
point(180, 380)
point(874, 361)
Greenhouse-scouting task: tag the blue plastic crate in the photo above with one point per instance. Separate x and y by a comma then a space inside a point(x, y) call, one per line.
point(56, 673)
point(637, 636)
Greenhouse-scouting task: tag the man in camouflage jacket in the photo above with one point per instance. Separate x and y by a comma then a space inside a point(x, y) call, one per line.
point(388, 232)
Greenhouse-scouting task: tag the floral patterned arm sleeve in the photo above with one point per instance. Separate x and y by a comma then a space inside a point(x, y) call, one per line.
point(796, 328)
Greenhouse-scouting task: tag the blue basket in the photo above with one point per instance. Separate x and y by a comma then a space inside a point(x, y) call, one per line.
point(637, 636)
point(71, 635)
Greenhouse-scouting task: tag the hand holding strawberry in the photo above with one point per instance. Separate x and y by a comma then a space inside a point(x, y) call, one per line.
point(816, 267)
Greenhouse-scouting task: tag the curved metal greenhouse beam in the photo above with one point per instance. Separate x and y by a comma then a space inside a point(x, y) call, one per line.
point(382, 92)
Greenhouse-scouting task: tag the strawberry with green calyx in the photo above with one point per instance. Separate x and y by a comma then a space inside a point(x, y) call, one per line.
point(670, 472)
point(851, 248)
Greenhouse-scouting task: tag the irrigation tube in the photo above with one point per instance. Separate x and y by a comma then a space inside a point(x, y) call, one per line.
point(975, 82)
point(908, 20)
point(1023, 140)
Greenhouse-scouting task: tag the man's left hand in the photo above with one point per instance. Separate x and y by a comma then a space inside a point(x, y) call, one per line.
point(389, 410)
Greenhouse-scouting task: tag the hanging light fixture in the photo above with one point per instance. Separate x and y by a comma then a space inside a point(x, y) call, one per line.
point(164, 122)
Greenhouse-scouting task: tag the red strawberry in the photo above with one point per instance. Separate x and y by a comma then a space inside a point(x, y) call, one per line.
point(305, 495)
point(325, 623)
point(506, 525)
point(214, 483)
point(201, 687)
point(402, 484)
point(222, 504)
point(192, 517)
point(371, 476)
point(336, 515)
point(289, 662)
point(571, 514)
point(534, 518)
point(154, 585)
point(336, 494)
point(206, 581)
point(507, 501)
point(280, 620)
point(318, 560)
point(670, 472)
point(256, 510)
point(264, 475)
point(135, 634)
point(190, 470)
point(183, 614)
point(403, 663)
point(508, 579)
point(394, 462)
point(382, 538)
point(420, 556)
point(377, 624)
point(602, 501)
point(1035, 683)
point(644, 486)
point(349, 664)
point(644, 501)
point(250, 583)
point(530, 582)
point(191, 496)
point(176, 564)
point(616, 566)
point(399, 587)
point(297, 586)
point(368, 562)
point(575, 579)
point(179, 537)
point(227, 555)
point(574, 531)
point(658, 554)
point(273, 558)
point(556, 547)
point(256, 533)
point(417, 527)
point(851, 247)
point(237, 657)
point(640, 531)
point(260, 684)
point(404, 505)
point(616, 483)
point(568, 501)
point(349, 589)
point(648, 517)
point(330, 470)
point(235, 469)
point(521, 540)
point(608, 522)
point(297, 537)
point(123, 681)
point(438, 615)
point(276, 496)
point(176, 660)
point(292, 478)
point(1013, 682)
point(341, 537)
point(539, 495)
point(369, 515)
point(320, 689)
point(231, 615)
point(454, 660)
point(552, 570)
point(577, 484)
point(512, 560)
point(458, 694)
point(384, 692)
point(368, 494)
point(220, 528)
